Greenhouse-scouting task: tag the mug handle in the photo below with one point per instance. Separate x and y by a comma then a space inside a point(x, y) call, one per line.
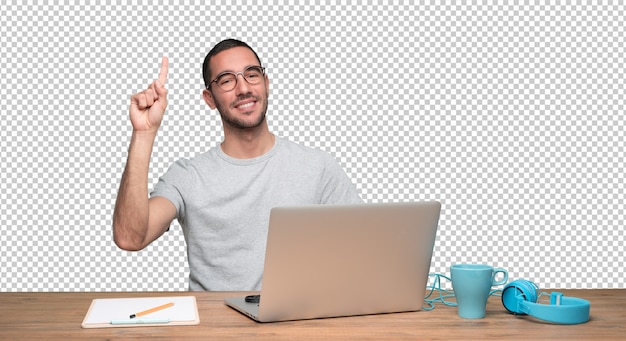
point(503, 280)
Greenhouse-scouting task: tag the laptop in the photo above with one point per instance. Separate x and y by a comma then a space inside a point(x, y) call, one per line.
point(344, 260)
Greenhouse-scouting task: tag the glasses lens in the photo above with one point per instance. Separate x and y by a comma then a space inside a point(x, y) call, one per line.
point(227, 81)
point(253, 74)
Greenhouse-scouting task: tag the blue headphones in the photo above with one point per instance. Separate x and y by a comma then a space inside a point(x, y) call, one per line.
point(520, 297)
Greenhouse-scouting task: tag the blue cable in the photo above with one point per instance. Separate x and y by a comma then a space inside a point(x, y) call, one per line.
point(443, 294)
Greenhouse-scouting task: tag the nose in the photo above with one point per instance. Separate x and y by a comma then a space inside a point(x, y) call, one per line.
point(242, 86)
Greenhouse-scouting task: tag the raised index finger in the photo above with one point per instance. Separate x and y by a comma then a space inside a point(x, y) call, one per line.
point(163, 71)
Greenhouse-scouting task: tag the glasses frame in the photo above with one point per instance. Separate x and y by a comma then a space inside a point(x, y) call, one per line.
point(236, 74)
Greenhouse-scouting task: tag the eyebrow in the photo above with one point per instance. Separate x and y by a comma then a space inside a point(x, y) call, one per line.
point(231, 71)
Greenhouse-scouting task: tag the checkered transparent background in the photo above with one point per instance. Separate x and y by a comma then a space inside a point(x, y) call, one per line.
point(510, 115)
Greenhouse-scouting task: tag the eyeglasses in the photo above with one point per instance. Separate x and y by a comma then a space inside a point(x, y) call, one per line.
point(227, 81)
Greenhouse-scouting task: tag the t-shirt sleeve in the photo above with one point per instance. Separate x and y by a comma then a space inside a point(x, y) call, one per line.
point(170, 186)
point(337, 186)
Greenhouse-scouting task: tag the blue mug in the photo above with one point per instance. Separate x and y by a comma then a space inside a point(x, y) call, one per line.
point(471, 284)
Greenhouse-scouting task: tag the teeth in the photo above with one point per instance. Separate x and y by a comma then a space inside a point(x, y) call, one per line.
point(247, 105)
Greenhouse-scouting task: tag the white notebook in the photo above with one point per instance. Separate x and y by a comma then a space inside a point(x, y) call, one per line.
point(116, 312)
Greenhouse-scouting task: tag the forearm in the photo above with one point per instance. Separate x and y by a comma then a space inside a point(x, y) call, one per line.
point(131, 215)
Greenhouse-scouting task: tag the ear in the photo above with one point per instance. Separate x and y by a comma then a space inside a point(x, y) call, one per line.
point(267, 85)
point(208, 98)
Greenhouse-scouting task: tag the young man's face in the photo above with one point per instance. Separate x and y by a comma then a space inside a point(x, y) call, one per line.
point(244, 106)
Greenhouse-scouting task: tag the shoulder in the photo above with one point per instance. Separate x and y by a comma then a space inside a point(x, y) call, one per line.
point(307, 160)
point(301, 150)
point(186, 165)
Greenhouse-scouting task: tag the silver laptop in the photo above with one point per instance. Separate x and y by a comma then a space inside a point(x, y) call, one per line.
point(344, 260)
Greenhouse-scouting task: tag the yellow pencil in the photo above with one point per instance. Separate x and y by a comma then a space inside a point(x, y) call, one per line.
point(151, 310)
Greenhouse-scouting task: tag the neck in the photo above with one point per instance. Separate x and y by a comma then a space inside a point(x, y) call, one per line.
point(247, 143)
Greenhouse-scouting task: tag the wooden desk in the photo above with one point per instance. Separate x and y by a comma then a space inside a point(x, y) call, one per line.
point(57, 316)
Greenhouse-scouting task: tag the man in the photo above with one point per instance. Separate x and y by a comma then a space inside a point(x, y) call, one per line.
point(222, 198)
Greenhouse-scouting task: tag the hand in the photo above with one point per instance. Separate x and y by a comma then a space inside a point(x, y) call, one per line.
point(147, 107)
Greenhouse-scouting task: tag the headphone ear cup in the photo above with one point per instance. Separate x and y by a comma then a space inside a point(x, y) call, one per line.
point(517, 292)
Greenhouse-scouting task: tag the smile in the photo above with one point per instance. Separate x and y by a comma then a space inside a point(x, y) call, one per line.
point(245, 105)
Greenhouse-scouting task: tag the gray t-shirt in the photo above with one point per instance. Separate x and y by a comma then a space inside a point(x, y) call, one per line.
point(223, 206)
